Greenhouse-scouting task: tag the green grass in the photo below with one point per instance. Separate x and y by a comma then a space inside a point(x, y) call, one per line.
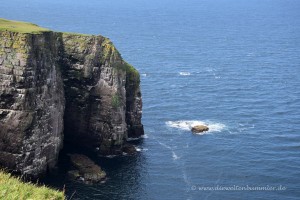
point(115, 101)
point(20, 27)
point(132, 75)
point(12, 188)
point(77, 34)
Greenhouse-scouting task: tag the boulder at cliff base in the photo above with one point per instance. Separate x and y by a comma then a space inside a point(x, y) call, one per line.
point(85, 169)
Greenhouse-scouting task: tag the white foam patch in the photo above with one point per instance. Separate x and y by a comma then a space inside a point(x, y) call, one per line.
point(184, 73)
point(175, 157)
point(138, 149)
point(187, 125)
point(145, 136)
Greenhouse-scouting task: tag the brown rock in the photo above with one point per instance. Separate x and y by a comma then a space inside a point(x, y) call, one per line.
point(199, 128)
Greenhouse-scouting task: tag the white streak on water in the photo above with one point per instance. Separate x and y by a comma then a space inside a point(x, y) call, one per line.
point(184, 73)
point(174, 155)
point(145, 136)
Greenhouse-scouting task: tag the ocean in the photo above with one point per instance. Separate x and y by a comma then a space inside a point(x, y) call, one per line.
point(233, 65)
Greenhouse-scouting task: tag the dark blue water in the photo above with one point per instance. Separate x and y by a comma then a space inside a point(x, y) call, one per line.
point(231, 64)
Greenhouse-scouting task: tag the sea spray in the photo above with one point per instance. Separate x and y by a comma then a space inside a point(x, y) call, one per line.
point(187, 125)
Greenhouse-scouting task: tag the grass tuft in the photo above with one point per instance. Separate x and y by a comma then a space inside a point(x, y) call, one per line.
point(14, 189)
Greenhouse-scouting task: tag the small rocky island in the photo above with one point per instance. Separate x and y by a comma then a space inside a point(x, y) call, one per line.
point(199, 128)
point(63, 88)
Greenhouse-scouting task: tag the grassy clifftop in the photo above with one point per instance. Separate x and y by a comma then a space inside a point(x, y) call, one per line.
point(20, 27)
point(14, 189)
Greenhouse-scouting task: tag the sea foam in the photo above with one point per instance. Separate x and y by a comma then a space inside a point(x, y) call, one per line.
point(184, 73)
point(174, 155)
point(187, 125)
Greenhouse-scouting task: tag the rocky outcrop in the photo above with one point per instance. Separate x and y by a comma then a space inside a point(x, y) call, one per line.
point(199, 128)
point(61, 85)
point(85, 169)
point(129, 149)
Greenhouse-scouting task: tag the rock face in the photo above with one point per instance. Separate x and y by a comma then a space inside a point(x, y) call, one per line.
point(199, 129)
point(102, 94)
point(60, 85)
point(85, 169)
point(31, 101)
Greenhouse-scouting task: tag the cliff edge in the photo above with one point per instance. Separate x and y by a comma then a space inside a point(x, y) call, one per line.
point(62, 87)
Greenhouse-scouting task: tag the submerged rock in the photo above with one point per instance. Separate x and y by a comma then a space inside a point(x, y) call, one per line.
point(74, 174)
point(85, 169)
point(199, 128)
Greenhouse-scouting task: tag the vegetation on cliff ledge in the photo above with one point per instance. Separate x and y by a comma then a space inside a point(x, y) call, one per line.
point(14, 189)
point(133, 76)
point(20, 27)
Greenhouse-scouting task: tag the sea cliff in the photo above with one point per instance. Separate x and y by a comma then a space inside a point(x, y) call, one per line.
point(58, 88)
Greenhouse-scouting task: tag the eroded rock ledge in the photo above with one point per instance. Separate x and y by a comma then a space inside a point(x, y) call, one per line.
point(62, 86)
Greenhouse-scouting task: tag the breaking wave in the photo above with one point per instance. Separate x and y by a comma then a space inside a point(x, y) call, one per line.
point(174, 156)
point(187, 125)
point(139, 149)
